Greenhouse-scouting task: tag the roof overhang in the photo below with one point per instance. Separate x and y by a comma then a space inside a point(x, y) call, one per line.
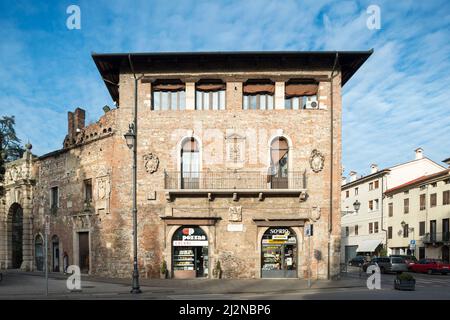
point(110, 65)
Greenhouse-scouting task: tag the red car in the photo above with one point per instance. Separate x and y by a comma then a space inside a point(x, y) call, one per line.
point(431, 266)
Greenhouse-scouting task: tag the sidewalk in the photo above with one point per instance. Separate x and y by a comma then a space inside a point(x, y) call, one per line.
point(217, 286)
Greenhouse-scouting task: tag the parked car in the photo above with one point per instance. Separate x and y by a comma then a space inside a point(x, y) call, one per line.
point(431, 266)
point(357, 261)
point(388, 264)
point(410, 260)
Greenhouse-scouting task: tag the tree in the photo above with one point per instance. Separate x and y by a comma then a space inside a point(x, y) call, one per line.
point(10, 143)
point(2, 167)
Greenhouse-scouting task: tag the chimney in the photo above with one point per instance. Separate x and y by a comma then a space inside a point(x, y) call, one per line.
point(79, 118)
point(353, 175)
point(419, 153)
point(70, 125)
point(343, 181)
point(374, 168)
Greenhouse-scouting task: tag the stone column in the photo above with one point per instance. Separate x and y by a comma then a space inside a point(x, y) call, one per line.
point(190, 95)
point(279, 95)
point(3, 252)
point(27, 238)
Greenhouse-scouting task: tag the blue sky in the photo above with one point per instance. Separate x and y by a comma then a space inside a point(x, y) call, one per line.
point(399, 100)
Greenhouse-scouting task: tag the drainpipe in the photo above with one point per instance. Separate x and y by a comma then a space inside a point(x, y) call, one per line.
point(382, 212)
point(330, 216)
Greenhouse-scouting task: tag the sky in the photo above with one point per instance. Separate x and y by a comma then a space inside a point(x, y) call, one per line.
point(397, 101)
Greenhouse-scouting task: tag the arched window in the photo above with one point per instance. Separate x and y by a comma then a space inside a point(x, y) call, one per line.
point(190, 164)
point(279, 160)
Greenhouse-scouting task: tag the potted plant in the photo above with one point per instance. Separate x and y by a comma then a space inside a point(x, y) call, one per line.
point(163, 270)
point(405, 281)
point(217, 272)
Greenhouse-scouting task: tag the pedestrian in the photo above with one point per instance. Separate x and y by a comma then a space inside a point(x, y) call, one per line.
point(65, 262)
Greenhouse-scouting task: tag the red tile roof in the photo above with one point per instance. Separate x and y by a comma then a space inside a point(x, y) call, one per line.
point(417, 181)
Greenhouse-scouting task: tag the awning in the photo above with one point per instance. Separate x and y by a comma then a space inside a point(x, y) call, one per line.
point(368, 245)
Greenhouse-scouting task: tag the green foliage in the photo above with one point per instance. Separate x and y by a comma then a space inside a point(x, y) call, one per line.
point(405, 276)
point(11, 148)
point(383, 252)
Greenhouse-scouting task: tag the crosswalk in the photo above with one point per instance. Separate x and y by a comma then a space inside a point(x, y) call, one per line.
point(422, 280)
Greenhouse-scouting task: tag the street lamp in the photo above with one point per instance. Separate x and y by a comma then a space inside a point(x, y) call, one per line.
point(356, 206)
point(130, 138)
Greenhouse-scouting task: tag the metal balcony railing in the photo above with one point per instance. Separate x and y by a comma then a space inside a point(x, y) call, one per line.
point(222, 180)
point(438, 237)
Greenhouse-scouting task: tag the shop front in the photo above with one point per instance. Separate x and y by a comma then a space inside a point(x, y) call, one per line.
point(279, 253)
point(190, 253)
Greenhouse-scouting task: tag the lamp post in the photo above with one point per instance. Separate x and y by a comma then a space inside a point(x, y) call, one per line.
point(130, 138)
point(356, 206)
point(403, 224)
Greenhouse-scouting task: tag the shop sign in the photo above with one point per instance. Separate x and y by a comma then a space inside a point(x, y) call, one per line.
point(188, 235)
point(280, 231)
point(279, 237)
point(182, 243)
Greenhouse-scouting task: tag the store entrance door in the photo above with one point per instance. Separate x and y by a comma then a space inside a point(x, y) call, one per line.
point(190, 253)
point(279, 253)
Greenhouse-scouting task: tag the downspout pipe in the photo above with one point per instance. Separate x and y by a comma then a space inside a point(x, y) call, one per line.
point(330, 216)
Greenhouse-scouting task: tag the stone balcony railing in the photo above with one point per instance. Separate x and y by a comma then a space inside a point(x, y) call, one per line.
point(438, 237)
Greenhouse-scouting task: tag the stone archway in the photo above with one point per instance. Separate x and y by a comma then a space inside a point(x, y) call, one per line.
point(15, 221)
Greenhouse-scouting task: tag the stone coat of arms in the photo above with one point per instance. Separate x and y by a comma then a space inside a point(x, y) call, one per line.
point(316, 161)
point(151, 162)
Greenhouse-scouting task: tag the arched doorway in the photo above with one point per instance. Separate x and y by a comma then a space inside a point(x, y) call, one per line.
point(16, 236)
point(39, 252)
point(55, 253)
point(446, 254)
point(190, 253)
point(279, 253)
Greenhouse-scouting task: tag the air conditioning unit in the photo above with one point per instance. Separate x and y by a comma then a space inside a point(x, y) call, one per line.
point(311, 103)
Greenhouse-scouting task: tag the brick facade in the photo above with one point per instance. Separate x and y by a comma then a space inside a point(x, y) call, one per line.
point(99, 152)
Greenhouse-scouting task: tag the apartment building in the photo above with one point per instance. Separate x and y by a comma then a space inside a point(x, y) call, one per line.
point(237, 153)
point(418, 214)
point(365, 231)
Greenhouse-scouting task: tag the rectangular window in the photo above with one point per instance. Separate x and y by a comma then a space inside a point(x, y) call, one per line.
point(434, 184)
point(376, 184)
point(347, 193)
point(423, 201)
point(370, 228)
point(421, 228)
point(433, 200)
point(54, 198)
point(371, 205)
point(376, 204)
point(446, 197)
point(406, 231)
point(88, 190)
point(168, 95)
point(356, 230)
point(347, 231)
point(371, 186)
point(391, 209)
point(447, 181)
point(356, 191)
point(210, 97)
point(375, 227)
point(406, 205)
point(389, 232)
point(258, 102)
point(423, 187)
point(300, 94)
point(406, 192)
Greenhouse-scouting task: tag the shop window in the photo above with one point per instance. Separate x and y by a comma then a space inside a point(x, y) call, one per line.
point(190, 164)
point(279, 253)
point(190, 257)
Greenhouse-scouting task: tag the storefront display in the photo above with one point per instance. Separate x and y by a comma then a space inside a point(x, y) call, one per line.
point(190, 253)
point(279, 253)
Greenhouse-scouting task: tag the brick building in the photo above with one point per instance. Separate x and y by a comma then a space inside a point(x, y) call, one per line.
point(237, 153)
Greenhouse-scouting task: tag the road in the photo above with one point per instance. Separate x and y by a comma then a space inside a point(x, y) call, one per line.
point(352, 286)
